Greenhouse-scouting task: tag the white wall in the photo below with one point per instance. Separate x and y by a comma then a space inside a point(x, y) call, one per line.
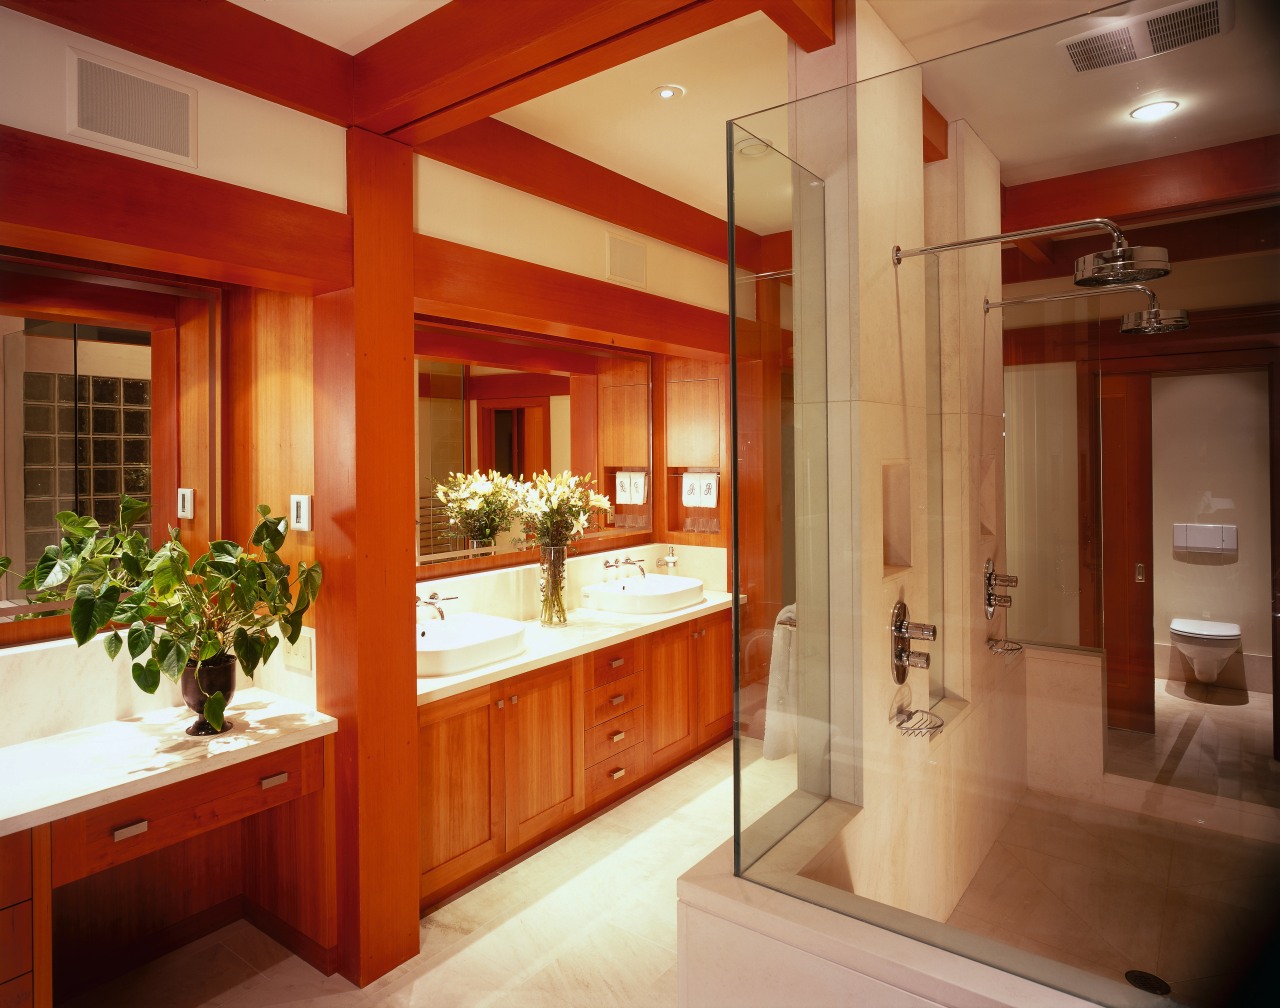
point(241, 139)
point(460, 207)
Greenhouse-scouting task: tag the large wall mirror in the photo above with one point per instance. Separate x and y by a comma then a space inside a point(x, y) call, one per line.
point(520, 404)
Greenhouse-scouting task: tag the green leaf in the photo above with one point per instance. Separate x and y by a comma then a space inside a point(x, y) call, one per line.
point(112, 643)
point(147, 676)
point(309, 578)
point(214, 707)
point(248, 649)
point(270, 532)
point(171, 656)
point(131, 510)
point(57, 570)
point(292, 626)
point(4, 564)
point(141, 636)
point(76, 526)
point(269, 644)
point(83, 626)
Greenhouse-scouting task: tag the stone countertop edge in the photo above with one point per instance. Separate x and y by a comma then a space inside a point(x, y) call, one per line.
point(60, 775)
point(586, 630)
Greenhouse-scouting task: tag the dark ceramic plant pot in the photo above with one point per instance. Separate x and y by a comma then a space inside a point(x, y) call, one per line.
point(216, 674)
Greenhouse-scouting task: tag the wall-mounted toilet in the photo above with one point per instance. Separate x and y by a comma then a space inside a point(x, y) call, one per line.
point(1207, 645)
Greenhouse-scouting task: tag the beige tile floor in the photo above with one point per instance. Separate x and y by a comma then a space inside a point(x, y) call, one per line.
point(1208, 739)
point(1109, 890)
point(589, 920)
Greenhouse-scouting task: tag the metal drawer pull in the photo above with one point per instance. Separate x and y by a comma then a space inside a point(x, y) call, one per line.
point(618, 699)
point(617, 663)
point(617, 736)
point(620, 772)
point(132, 830)
point(274, 779)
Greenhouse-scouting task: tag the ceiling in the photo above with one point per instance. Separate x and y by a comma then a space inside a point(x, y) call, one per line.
point(1040, 117)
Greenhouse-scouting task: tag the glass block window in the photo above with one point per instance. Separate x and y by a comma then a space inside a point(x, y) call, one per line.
point(86, 440)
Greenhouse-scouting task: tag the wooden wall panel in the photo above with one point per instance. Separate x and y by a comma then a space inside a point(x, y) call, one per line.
point(68, 199)
point(363, 368)
point(199, 430)
point(268, 412)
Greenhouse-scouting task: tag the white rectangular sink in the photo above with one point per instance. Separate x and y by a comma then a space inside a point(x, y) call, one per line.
point(653, 593)
point(465, 641)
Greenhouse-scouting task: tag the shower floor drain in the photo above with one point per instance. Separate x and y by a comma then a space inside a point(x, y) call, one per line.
point(1148, 982)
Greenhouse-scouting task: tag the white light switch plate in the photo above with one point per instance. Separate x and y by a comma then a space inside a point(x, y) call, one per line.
point(186, 502)
point(300, 512)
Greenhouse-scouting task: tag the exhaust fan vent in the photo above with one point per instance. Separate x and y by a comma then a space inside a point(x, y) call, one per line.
point(1104, 50)
point(125, 108)
point(1149, 35)
point(625, 260)
point(1169, 31)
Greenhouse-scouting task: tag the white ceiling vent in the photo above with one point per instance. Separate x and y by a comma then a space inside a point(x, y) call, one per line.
point(625, 261)
point(1150, 34)
point(128, 109)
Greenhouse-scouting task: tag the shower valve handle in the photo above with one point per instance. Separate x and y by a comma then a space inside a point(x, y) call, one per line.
point(917, 631)
point(1004, 580)
point(1003, 601)
point(915, 659)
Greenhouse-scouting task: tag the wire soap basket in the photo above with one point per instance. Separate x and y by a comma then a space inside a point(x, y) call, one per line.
point(918, 723)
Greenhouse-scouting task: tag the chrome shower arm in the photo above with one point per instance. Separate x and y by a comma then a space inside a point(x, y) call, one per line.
point(1094, 224)
point(1154, 304)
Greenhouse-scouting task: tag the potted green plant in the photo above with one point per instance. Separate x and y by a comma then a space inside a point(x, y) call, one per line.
point(198, 619)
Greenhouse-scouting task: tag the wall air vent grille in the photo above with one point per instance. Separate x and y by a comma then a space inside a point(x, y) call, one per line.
point(124, 108)
point(1169, 31)
point(1159, 31)
point(625, 261)
point(1104, 50)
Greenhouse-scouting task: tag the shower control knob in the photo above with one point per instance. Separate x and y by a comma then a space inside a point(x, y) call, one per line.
point(917, 659)
point(917, 631)
point(1003, 601)
point(1004, 580)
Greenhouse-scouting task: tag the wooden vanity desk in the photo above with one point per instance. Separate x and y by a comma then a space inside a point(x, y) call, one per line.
point(125, 840)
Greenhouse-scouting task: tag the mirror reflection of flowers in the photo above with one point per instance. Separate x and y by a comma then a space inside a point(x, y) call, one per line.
point(479, 507)
point(557, 509)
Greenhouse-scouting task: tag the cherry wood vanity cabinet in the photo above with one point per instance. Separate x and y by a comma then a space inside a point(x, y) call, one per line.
point(17, 922)
point(500, 767)
point(711, 650)
point(690, 688)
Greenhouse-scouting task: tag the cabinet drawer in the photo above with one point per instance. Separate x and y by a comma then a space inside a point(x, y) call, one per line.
point(608, 701)
point(613, 663)
point(106, 836)
point(618, 772)
point(15, 868)
point(17, 993)
point(15, 941)
point(614, 735)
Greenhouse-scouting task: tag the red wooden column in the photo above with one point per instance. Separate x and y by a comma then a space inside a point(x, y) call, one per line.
point(364, 536)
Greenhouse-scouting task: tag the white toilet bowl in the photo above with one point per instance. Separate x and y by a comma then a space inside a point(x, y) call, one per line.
point(1207, 645)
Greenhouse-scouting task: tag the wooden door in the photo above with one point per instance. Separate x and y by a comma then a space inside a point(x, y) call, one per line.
point(713, 669)
point(1128, 605)
point(669, 697)
point(543, 751)
point(461, 786)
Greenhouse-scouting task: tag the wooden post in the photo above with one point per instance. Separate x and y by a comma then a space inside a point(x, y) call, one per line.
point(364, 536)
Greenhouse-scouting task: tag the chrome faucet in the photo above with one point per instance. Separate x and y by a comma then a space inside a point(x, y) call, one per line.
point(434, 599)
point(638, 564)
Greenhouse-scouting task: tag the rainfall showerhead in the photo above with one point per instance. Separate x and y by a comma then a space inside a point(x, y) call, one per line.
point(1120, 264)
point(1150, 322)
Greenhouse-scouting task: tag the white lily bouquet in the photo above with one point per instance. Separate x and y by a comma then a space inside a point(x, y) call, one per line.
point(555, 510)
point(479, 506)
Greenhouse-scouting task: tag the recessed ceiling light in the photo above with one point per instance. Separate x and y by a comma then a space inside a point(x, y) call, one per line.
point(669, 92)
point(1156, 110)
point(752, 147)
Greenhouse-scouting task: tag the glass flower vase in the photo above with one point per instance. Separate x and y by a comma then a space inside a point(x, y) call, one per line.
point(551, 584)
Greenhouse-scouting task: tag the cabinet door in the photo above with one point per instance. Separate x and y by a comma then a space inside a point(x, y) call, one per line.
point(713, 664)
point(694, 410)
point(624, 427)
point(461, 788)
point(543, 752)
point(669, 697)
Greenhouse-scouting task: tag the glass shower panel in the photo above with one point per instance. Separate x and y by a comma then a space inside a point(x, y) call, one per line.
point(783, 545)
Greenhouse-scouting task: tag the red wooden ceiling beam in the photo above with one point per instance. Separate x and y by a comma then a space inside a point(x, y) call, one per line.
point(71, 200)
point(457, 281)
point(518, 353)
point(935, 133)
point(1233, 175)
point(455, 67)
point(516, 386)
point(496, 151)
point(1200, 238)
point(63, 299)
point(218, 40)
point(809, 23)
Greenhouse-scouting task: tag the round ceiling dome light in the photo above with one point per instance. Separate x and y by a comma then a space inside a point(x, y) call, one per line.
point(669, 92)
point(752, 147)
point(1154, 111)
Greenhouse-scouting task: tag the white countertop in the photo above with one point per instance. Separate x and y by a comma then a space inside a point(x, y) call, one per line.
point(587, 630)
point(59, 775)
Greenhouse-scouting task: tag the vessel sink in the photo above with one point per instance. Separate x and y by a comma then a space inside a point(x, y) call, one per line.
point(465, 641)
point(653, 593)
